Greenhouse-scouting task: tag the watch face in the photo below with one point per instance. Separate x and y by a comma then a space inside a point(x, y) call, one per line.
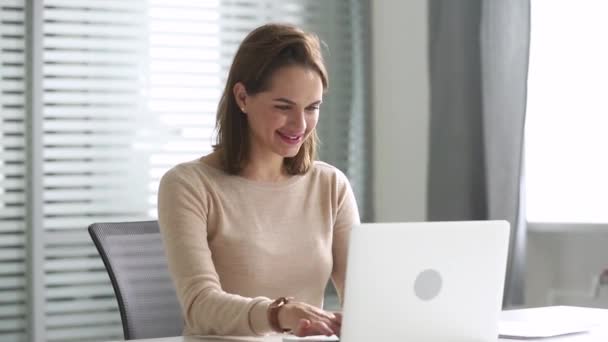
point(428, 284)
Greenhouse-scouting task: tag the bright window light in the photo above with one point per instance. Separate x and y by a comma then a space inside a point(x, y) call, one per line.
point(567, 112)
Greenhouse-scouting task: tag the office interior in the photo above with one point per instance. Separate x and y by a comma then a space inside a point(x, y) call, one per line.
point(437, 110)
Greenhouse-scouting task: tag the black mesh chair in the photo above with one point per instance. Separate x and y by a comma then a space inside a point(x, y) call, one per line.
point(133, 255)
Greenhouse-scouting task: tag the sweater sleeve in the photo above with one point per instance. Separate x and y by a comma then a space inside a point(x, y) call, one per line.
point(347, 216)
point(207, 309)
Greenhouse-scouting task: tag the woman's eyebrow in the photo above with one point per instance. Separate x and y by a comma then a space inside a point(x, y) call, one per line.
point(282, 99)
point(288, 101)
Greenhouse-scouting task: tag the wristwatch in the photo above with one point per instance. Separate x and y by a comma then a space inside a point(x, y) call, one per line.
point(273, 313)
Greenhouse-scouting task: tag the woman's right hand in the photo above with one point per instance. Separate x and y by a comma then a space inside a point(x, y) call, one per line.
point(307, 320)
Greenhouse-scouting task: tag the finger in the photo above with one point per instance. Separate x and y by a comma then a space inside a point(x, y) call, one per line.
point(329, 319)
point(324, 315)
point(335, 328)
point(311, 329)
point(338, 317)
point(302, 328)
point(323, 328)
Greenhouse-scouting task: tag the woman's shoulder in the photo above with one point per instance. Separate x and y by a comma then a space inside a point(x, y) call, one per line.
point(329, 173)
point(195, 172)
point(183, 171)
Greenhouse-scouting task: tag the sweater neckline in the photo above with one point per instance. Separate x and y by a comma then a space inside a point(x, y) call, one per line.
point(258, 184)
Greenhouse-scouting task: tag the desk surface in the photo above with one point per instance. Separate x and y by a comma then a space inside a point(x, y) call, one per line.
point(593, 336)
point(543, 315)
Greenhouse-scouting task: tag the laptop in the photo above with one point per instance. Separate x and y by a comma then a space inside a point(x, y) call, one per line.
point(425, 282)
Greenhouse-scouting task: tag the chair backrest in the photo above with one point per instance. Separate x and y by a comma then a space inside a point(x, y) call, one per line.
point(134, 257)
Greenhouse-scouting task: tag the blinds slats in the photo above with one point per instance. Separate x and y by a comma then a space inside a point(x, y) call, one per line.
point(91, 57)
point(115, 30)
point(12, 324)
point(11, 310)
point(12, 155)
point(120, 6)
point(13, 267)
point(13, 114)
point(12, 282)
point(97, 318)
point(12, 30)
point(9, 297)
point(77, 292)
point(103, 72)
point(76, 251)
point(95, 17)
point(63, 265)
point(102, 304)
point(10, 99)
point(10, 226)
point(80, 167)
point(192, 4)
point(13, 211)
point(86, 277)
point(80, 222)
point(83, 111)
point(7, 253)
point(89, 126)
point(82, 333)
point(84, 195)
point(79, 43)
point(91, 85)
point(92, 208)
point(10, 240)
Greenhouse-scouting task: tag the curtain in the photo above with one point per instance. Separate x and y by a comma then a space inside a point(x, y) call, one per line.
point(478, 54)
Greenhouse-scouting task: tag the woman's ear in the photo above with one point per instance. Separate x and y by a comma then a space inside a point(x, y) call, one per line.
point(240, 96)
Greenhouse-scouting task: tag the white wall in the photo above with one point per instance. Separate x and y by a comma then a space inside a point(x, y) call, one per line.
point(400, 100)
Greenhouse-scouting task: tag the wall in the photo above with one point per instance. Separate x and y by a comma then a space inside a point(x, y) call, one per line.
point(564, 259)
point(563, 264)
point(400, 100)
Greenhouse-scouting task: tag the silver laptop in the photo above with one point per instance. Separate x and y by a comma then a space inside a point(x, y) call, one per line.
point(425, 282)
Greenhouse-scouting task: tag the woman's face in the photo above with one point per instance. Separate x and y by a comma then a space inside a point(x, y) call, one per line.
point(284, 116)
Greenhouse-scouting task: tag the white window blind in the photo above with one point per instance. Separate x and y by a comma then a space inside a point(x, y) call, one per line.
point(13, 266)
point(94, 120)
point(129, 89)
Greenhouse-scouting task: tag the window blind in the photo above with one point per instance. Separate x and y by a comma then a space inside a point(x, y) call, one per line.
point(94, 121)
point(129, 89)
point(13, 266)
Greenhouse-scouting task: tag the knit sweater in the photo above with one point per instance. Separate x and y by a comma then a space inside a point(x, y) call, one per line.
point(234, 244)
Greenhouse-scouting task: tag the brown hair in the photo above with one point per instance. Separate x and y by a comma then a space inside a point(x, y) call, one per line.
point(264, 50)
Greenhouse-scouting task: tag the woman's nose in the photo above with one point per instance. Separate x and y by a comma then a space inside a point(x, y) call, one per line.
point(299, 119)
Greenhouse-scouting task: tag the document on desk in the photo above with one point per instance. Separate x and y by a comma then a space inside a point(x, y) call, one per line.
point(525, 330)
point(320, 338)
point(536, 323)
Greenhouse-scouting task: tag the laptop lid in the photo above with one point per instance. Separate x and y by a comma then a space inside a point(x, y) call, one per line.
point(427, 281)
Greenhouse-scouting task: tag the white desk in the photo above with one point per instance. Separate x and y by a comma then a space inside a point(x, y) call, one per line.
point(599, 334)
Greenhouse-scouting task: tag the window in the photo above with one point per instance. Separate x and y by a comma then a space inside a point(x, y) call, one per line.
point(567, 116)
point(128, 89)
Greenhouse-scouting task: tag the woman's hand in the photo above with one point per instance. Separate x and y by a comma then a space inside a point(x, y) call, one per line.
point(306, 320)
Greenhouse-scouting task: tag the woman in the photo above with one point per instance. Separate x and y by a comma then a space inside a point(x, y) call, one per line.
point(254, 230)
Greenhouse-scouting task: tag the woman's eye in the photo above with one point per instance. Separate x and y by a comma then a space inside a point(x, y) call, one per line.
point(312, 109)
point(282, 107)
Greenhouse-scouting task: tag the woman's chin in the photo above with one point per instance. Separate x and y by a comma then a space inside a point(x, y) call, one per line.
point(289, 153)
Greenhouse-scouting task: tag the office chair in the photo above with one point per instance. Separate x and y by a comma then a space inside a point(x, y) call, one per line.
point(133, 255)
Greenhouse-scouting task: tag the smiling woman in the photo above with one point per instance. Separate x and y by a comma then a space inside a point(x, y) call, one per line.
point(254, 230)
point(282, 118)
point(277, 82)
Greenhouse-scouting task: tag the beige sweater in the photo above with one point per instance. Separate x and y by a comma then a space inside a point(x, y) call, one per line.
point(235, 244)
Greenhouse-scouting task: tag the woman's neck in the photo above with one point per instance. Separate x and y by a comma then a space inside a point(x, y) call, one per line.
point(267, 169)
